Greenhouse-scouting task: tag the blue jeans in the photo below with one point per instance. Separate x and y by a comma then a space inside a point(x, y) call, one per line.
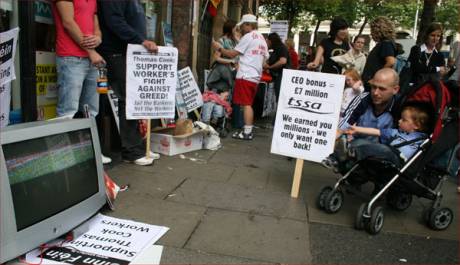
point(211, 111)
point(364, 148)
point(76, 86)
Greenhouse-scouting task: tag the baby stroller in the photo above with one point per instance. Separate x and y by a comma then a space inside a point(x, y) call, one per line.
point(419, 176)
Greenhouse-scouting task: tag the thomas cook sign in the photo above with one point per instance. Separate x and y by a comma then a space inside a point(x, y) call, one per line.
point(307, 115)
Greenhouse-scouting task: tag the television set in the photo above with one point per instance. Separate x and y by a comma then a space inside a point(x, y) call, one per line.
point(51, 180)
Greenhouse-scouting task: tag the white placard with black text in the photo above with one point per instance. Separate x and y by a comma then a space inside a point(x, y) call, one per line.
point(307, 114)
point(8, 41)
point(281, 27)
point(189, 89)
point(151, 80)
point(5, 99)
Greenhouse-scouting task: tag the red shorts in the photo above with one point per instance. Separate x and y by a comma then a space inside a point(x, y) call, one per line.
point(244, 93)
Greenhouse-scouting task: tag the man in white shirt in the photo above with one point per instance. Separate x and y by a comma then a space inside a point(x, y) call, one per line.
point(252, 51)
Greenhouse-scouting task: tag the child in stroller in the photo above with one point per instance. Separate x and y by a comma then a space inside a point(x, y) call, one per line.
point(216, 110)
point(418, 175)
point(396, 145)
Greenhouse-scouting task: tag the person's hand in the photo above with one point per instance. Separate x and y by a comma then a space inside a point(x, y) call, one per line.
point(151, 46)
point(443, 71)
point(266, 66)
point(357, 85)
point(312, 66)
point(216, 45)
point(90, 42)
point(352, 130)
point(96, 59)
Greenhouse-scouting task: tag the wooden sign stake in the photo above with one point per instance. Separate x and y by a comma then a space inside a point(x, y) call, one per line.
point(147, 144)
point(297, 178)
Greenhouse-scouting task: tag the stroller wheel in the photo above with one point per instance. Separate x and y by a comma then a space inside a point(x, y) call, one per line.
point(322, 197)
point(440, 218)
point(376, 222)
point(333, 201)
point(399, 200)
point(360, 221)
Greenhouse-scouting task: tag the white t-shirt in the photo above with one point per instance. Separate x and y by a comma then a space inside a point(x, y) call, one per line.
point(254, 52)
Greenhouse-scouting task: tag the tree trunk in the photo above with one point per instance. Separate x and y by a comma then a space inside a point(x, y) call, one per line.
point(316, 32)
point(363, 26)
point(428, 16)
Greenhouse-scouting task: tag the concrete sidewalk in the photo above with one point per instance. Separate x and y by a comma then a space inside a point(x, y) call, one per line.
point(234, 206)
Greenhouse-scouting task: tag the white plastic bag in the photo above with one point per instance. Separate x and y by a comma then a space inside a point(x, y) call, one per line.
point(211, 139)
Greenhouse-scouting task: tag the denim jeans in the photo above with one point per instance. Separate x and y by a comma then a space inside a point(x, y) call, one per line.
point(364, 148)
point(76, 86)
point(211, 111)
point(132, 144)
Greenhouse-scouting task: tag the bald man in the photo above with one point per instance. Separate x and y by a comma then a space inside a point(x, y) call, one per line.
point(374, 109)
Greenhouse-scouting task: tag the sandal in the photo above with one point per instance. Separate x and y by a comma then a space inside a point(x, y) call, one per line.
point(243, 136)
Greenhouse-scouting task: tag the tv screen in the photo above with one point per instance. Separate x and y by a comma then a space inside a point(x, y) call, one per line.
point(50, 174)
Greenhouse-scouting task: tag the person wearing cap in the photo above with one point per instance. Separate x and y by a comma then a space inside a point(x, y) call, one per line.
point(335, 45)
point(252, 51)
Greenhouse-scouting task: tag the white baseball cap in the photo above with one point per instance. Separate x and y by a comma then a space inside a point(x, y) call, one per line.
point(248, 18)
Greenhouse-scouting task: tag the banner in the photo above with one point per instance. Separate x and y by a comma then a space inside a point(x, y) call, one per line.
point(5, 99)
point(281, 27)
point(307, 115)
point(113, 100)
point(151, 80)
point(191, 94)
point(8, 41)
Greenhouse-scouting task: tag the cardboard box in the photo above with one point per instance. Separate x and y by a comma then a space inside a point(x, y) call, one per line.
point(163, 142)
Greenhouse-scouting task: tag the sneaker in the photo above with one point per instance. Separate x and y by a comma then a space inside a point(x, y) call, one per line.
point(143, 161)
point(341, 148)
point(155, 156)
point(105, 159)
point(243, 136)
point(330, 163)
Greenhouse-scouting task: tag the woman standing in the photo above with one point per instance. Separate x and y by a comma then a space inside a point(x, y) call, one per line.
point(384, 53)
point(335, 45)
point(278, 60)
point(425, 60)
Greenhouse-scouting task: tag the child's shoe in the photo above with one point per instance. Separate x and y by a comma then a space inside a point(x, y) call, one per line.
point(331, 163)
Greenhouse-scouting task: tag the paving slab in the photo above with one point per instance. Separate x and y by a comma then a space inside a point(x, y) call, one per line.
point(249, 177)
point(172, 255)
point(252, 236)
point(182, 219)
point(145, 180)
point(239, 198)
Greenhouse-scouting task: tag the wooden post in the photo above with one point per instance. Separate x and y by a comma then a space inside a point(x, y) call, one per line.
point(197, 114)
point(297, 178)
point(147, 144)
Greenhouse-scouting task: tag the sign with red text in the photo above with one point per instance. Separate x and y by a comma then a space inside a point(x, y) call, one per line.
point(151, 80)
point(307, 114)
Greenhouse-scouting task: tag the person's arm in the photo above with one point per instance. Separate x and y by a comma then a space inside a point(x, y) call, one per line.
point(318, 58)
point(278, 64)
point(390, 61)
point(363, 130)
point(113, 16)
point(92, 41)
point(228, 53)
point(218, 58)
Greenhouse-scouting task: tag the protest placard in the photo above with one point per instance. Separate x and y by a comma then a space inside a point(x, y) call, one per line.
point(189, 89)
point(5, 99)
point(8, 41)
point(281, 27)
point(151, 80)
point(307, 115)
point(108, 240)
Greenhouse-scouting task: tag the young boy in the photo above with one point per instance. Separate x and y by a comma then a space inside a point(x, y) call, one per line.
point(396, 145)
point(216, 109)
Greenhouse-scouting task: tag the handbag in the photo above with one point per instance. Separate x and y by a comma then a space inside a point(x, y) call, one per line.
point(266, 77)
